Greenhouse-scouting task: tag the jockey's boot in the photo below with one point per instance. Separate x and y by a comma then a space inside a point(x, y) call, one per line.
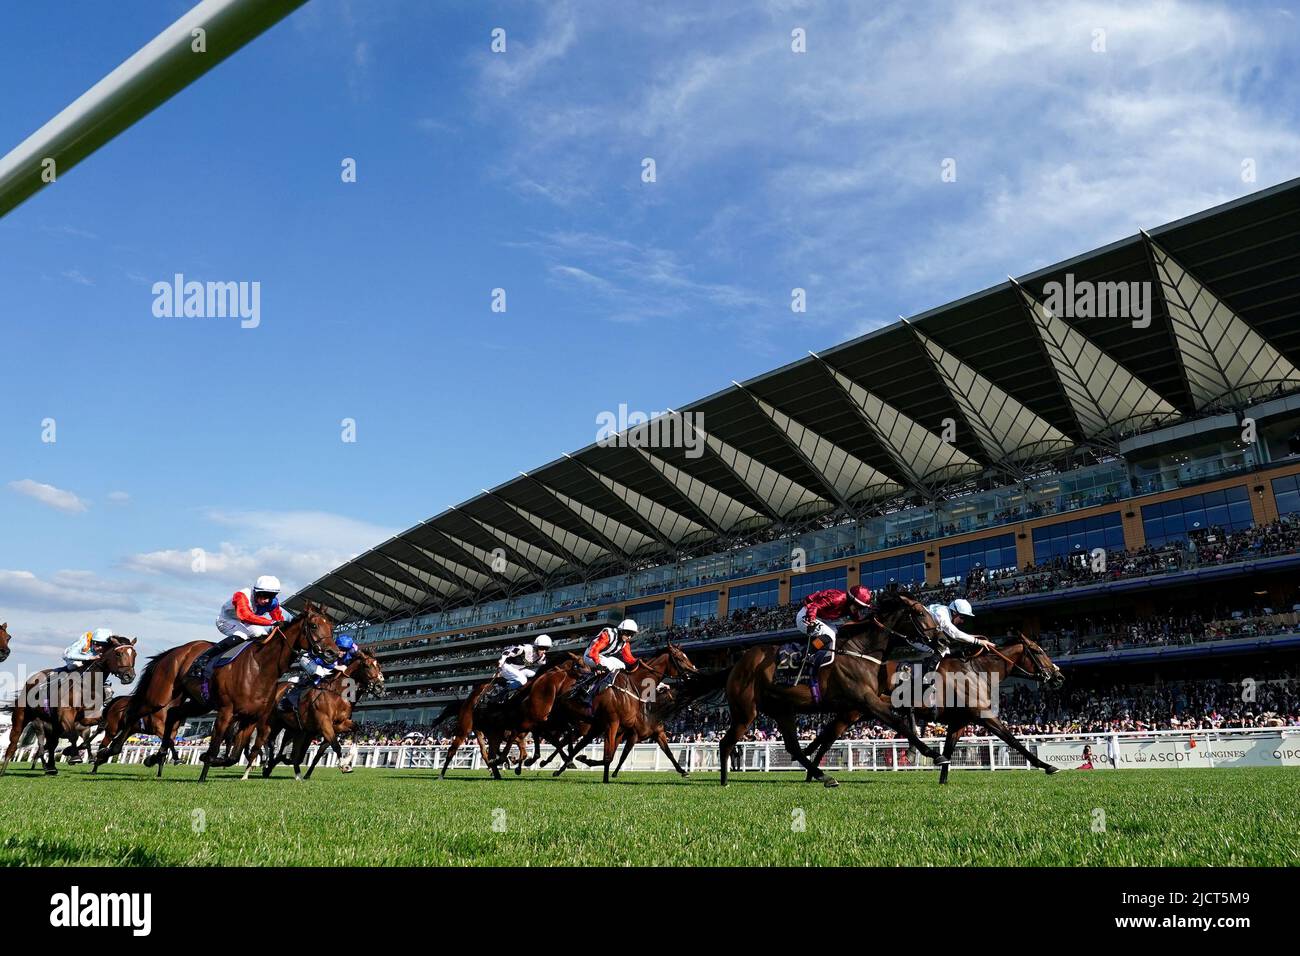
point(211, 654)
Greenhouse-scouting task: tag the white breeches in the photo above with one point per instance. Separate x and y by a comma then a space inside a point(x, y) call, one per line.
point(515, 676)
point(824, 630)
point(245, 632)
point(611, 663)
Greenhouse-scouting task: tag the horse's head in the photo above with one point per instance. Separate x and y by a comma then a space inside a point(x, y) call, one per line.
point(1036, 665)
point(678, 664)
point(369, 675)
point(315, 633)
point(902, 617)
point(4, 643)
point(119, 659)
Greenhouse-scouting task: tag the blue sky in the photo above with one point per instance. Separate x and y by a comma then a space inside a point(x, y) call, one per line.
point(522, 170)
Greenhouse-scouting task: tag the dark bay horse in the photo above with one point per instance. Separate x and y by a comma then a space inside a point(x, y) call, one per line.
point(621, 708)
point(853, 682)
point(463, 711)
point(4, 642)
point(56, 701)
point(529, 711)
point(965, 692)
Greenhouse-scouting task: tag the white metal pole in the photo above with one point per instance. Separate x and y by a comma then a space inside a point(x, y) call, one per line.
point(161, 68)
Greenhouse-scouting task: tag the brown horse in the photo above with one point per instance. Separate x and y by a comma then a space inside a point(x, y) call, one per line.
point(621, 708)
point(242, 690)
point(323, 712)
point(55, 701)
point(853, 681)
point(530, 711)
point(4, 642)
point(463, 711)
point(664, 707)
point(964, 692)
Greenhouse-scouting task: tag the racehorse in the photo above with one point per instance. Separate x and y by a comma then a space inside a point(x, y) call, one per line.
point(4, 643)
point(55, 700)
point(621, 707)
point(322, 712)
point(243, 688)
point(529, 711)
point(852, 682)
point(970, 684)
point(463, 711)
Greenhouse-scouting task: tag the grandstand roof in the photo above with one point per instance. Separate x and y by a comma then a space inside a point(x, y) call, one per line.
point(1025, 379)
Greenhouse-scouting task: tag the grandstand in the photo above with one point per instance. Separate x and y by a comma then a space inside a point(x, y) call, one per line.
point(992, 447)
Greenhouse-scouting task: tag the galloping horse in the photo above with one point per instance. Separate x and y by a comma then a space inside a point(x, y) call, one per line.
point(969, 684)
point(853, 682)
point(530, 711)
point(323, 712)
point(463, 711)
point(244, 688)
point(621, 707)
point(55, 701)
point(4, 643)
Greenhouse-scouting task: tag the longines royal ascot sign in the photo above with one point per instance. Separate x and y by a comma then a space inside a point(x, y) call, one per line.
point(1280, 748)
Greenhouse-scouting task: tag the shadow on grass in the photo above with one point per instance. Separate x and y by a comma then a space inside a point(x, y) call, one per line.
point(41, 851)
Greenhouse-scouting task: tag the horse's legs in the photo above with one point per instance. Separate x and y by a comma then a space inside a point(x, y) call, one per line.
point(219, 728)
point(451, 752)
point(51, 749)
point(790, 735)
point(581, 745)
point(628, 743)
point(611, 744)
point(996, 725)
point(668, 751)
point(949, 745)
point(879, 708)
point(522, 744)
point(328, 739)
point(742, 715)
point(15, 735)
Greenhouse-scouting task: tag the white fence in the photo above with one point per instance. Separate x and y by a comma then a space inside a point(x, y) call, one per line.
point(1131, 750)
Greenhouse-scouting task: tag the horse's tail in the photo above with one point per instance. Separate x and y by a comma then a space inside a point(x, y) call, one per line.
point(447, 712)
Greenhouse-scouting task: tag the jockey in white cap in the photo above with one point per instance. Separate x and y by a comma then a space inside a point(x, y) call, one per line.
point(250, 613)
point(518, 663)
point(86, 648)
point(950, 618)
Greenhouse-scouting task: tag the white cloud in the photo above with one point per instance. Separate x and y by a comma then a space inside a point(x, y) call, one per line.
point(118, 497)
point(65, 591)
point(296, 546)
point(55, 498)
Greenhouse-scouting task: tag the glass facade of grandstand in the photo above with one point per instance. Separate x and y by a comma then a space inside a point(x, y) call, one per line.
point(1106, 483)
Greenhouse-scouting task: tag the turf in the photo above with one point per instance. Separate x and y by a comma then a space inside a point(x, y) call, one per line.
point(375, 817)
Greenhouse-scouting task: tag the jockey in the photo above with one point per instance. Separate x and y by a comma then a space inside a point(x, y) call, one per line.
point(611, 650)
point(950, 619)
point(518, 664)
point(250, 613)
point(86, 648)
point(832, 604)
point(311, 666)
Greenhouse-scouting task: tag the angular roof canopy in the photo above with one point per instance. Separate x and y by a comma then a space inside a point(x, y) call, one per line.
point(982, 388)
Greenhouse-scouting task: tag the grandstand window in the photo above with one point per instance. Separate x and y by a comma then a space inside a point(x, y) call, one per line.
point(761, 594)
point(1081, 536)
point(802, 585)
point(649, 615)
point(1286, 492)
point(1174, 520)
point(699, 607)
point(903, 568)
point(991, 554)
